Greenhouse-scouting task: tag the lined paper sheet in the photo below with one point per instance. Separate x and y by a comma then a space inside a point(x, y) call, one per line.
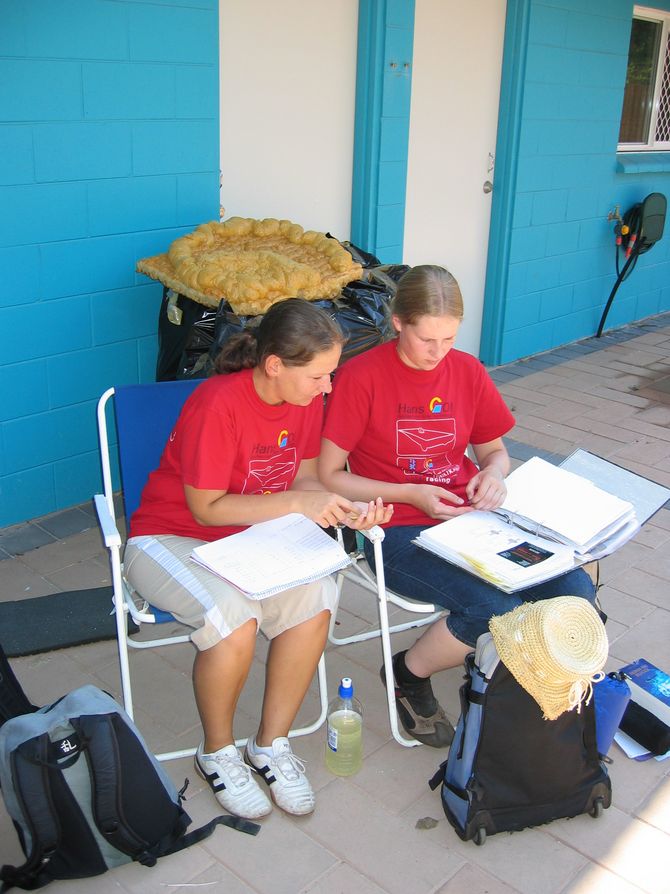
point(273, 556)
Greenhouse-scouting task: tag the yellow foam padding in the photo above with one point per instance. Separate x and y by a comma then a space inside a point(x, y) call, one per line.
point(253, 264)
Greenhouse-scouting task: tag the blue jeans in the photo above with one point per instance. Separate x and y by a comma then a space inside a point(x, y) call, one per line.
point(418, 574)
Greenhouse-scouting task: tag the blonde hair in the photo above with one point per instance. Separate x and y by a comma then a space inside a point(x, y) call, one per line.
point(427, 290)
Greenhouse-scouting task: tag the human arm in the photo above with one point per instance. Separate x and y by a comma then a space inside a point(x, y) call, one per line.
point(486, 489)
point(306, 495)
point(436, 502)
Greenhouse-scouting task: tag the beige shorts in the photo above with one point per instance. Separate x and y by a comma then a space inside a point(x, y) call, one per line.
point(159, 570)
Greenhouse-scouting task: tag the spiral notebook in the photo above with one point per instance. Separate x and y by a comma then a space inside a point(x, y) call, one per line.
point(273, 556)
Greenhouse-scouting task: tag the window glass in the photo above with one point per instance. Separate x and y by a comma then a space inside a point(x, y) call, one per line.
point(638, 101)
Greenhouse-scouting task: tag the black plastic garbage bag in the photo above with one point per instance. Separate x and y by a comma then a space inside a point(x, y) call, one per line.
point(361, 311)
point(195, 361)
point(188, 350)
point(362, 257)
point(176, 318)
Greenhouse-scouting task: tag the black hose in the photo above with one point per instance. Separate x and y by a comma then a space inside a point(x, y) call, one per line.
point(632, 259)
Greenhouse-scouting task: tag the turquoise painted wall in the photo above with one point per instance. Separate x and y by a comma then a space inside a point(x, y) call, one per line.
point(109, 134)
point(551, 212)
point(381, 140)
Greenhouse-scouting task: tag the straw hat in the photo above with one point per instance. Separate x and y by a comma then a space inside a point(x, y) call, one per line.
point(555, 649)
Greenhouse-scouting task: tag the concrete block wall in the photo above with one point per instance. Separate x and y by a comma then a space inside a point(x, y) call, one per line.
point(562, 253)
point(109, 137)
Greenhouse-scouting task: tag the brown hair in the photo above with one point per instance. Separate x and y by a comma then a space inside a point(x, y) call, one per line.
point(427, 290)
point(294, 330)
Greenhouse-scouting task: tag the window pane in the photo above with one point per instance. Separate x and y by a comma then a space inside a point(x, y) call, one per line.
point(640, 80)
point(663, 122)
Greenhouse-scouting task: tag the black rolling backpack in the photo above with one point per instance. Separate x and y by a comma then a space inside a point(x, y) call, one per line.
point(508, 768)
point(83, 790)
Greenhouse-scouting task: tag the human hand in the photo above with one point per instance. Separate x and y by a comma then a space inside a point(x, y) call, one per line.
point(370, 514)
point(487, 489)
point(437, 502)
point(326, 508)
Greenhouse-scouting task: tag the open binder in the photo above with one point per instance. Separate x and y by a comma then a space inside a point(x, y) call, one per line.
point(273, 556)
point(554, 519)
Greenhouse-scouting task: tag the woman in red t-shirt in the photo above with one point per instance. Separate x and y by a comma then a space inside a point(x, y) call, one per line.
point(398, 424)
point(244, 450)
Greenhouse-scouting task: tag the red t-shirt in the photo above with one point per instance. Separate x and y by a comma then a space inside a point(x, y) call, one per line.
point(226, 438)
point(401, 425)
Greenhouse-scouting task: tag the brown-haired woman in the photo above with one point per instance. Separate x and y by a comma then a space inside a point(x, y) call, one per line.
point(402, 416)
point(243, 451)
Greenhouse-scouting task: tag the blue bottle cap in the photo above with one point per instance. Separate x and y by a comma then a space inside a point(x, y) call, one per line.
point(346, 689)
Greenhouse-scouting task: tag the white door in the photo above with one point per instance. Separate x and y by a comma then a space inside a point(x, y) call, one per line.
point(453, 122)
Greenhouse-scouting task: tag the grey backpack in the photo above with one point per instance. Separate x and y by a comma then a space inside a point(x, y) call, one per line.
point(86, 794)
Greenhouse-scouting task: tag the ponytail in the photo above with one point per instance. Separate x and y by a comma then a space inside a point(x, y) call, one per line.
point(295, 330)
point(239, 352)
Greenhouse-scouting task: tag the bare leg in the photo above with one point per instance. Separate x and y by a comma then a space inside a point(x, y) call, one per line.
point(219, 674)
point(436, 650)
point(291, 664)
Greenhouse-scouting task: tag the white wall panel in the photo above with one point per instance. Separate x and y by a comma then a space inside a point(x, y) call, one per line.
point(288, 80)
point(453, 122)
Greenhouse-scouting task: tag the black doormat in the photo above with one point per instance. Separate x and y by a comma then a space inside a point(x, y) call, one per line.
point(45, 623)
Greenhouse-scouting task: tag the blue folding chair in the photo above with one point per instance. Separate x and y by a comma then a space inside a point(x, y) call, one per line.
point(145, 416)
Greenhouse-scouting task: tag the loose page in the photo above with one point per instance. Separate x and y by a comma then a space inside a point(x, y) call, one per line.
point(548, 498)
point(647, 496)
point(273, 556)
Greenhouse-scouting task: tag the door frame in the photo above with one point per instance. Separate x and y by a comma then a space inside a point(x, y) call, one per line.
point(377, 22)
point(515, 48)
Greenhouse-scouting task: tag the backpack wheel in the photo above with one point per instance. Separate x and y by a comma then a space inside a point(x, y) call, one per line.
point(480, 836)
point(597, 809)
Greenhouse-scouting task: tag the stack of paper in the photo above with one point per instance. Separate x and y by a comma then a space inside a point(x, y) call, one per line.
point(273, 556)
point(498, 552)
point(558, 504)
point(553, 519)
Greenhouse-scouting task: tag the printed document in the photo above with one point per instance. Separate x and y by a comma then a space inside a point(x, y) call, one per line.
point(497, 551)
point(272, 556)
point(554, 518)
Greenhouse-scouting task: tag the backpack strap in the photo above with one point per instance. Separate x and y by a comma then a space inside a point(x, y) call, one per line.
point(196, 835)
point(102, 752)
point(32, 786)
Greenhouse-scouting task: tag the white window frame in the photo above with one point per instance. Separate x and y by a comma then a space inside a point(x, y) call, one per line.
point(663, 18)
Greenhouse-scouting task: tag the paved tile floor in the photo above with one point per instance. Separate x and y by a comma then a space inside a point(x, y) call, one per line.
point(611, 396)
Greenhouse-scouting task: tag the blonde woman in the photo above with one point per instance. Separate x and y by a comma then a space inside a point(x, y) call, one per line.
point(398, 424)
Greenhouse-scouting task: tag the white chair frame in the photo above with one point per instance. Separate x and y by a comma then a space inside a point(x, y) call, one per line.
point(124, 604)
point(360, 574)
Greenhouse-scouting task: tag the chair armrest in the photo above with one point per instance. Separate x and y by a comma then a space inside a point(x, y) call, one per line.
point(110, 532)
point(374, 534)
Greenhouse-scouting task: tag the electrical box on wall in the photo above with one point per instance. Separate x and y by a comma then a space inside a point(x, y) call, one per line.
point(640, 228)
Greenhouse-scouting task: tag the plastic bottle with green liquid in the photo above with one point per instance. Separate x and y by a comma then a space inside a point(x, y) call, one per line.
point(344, 745)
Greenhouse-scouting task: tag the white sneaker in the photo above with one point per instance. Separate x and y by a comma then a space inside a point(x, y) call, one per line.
point(285, 774)
point(232, 782)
